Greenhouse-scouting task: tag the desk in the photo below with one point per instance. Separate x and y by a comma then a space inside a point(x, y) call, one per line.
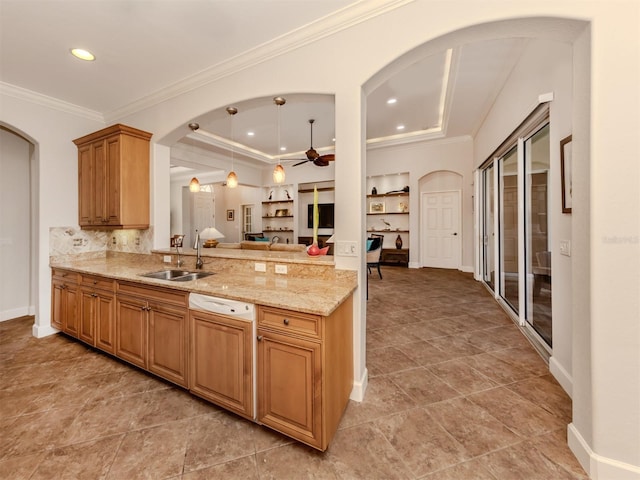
point(395, 256)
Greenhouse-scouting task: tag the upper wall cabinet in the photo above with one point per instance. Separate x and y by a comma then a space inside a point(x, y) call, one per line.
point(113, 178)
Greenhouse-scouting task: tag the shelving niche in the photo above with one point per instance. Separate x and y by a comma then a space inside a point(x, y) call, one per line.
point(388, 208)
point(278, 212)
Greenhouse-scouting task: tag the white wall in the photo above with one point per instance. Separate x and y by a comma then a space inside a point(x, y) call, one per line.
point(15, 227)
point(421, 159)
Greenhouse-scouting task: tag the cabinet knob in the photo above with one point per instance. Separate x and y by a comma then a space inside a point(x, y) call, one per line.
point(285, 321)
point(95, 282)
point(260, 338)
point(94, 295)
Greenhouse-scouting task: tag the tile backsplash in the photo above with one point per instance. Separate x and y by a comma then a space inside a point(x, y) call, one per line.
point(74, 240)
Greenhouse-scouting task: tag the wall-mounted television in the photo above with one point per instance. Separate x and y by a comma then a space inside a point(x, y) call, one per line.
point(325, 215)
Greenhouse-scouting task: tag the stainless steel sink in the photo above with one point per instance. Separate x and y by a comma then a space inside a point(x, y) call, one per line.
point(176, 275)
point(191, 276)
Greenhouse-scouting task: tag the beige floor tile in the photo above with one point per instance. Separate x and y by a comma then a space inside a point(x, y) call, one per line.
point(295, 461)
point(421, 442)
point(496, 369)
point(471, 470)
point(472, 426)
point(20, 468)
point(160, 406)
point(362, 452)
point(217, 438)
point(387, 360)
point(461, 376)
point(422, 386)
point(82, 460)
point(545, 392)
point(241, 469)
point(518, 414)
point(156, 452)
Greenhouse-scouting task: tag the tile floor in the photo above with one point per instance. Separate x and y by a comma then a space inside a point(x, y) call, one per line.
point(455, 392)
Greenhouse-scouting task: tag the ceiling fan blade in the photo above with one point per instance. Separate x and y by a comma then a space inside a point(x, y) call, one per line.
point(300, 163)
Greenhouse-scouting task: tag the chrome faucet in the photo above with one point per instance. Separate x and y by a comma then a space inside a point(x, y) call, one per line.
point(199, 262)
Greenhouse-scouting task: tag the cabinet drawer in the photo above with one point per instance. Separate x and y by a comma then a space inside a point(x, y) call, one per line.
point(102, 283)
point(164, 295)
point(64, 275)
point(290, 322)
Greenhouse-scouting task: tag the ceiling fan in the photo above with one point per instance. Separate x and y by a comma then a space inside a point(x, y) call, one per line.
point(315, 157)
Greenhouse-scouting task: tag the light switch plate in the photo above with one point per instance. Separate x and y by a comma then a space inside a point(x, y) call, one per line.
point(261, 267)
point(565, 247)
point(346, 249)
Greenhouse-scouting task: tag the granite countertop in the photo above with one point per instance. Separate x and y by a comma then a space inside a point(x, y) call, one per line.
point(320, 296)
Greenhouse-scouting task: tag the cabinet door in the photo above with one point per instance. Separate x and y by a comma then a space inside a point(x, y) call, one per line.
point(70, 317)
point(168, 343)
point(221, 364)
point(99, 163)
point(111, 181)
point(86, 177)
point(57, 304)
point(105, 322)
point(290, 386)
point(131, 330)
point(87, 322)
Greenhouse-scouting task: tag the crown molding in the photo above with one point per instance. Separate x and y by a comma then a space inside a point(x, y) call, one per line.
point(49, 102)
point(312, 32)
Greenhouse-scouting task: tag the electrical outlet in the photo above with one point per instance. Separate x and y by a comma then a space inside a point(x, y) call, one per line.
point(261, 267)
point(77, 242)
point(565, 247)
point(167, 259)
point(281, 269)
point(137, 240)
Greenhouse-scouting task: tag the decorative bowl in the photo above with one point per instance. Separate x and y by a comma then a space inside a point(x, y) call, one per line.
point(314, 251)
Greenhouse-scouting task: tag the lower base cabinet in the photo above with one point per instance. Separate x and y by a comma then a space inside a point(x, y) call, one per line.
point(222, 360)
point(305, 372)
point(152, 330)
point(97, 312)
point(64, 301)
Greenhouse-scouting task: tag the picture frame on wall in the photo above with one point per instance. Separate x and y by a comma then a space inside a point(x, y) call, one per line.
point(231, 215)
point(566, 173)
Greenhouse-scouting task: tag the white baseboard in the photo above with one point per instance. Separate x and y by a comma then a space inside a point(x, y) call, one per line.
point(359, 387)
point(16, 313)
point(466, 269)
point(414, 265)
point(41, 331)
point(597, 466)
point(561, 375)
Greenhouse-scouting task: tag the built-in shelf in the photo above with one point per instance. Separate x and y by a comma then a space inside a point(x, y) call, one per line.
point(388, 213)
point(387, 231)
point(275, 231)
point(322, 189)
point(277, 216)
point(269, 202)
point(383, 195)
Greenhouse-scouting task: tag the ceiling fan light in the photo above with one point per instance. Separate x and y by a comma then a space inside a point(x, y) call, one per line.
point(232, 180)
point(194, 185)
point(278, 174)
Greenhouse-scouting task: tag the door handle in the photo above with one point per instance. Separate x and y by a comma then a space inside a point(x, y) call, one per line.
point(455, 233)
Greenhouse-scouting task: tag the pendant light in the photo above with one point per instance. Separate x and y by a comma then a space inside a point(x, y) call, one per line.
point(278, 172)
point(232, 178)
point(194, 184)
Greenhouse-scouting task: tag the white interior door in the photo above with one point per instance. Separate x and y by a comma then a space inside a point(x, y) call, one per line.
point(440, 229)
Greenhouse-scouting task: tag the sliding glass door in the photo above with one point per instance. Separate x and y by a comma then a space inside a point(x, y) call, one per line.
point(508, 228)
point(515, 227)
point(538, 255)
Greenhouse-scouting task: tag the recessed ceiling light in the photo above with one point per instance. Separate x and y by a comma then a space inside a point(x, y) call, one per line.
point(391, 101)
point(251, 134)
point(83, 54)
point(283, 149)
point(333, 139)
point(400, 127)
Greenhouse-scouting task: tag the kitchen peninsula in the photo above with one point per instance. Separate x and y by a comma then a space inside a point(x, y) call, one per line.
point(290, 367)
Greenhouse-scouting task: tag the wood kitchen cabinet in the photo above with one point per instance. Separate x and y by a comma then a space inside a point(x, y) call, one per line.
point(152, 330)
point(97, 312)
point(64, 302)
point(113, 178)
point(305, 372)
point(221, 361)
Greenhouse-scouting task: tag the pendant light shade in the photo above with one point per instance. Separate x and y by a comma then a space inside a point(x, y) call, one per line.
point(232, 178)
point(278, 172)
point(194, 185)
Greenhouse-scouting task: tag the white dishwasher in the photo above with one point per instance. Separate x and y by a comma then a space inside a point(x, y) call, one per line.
point(209, 388)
